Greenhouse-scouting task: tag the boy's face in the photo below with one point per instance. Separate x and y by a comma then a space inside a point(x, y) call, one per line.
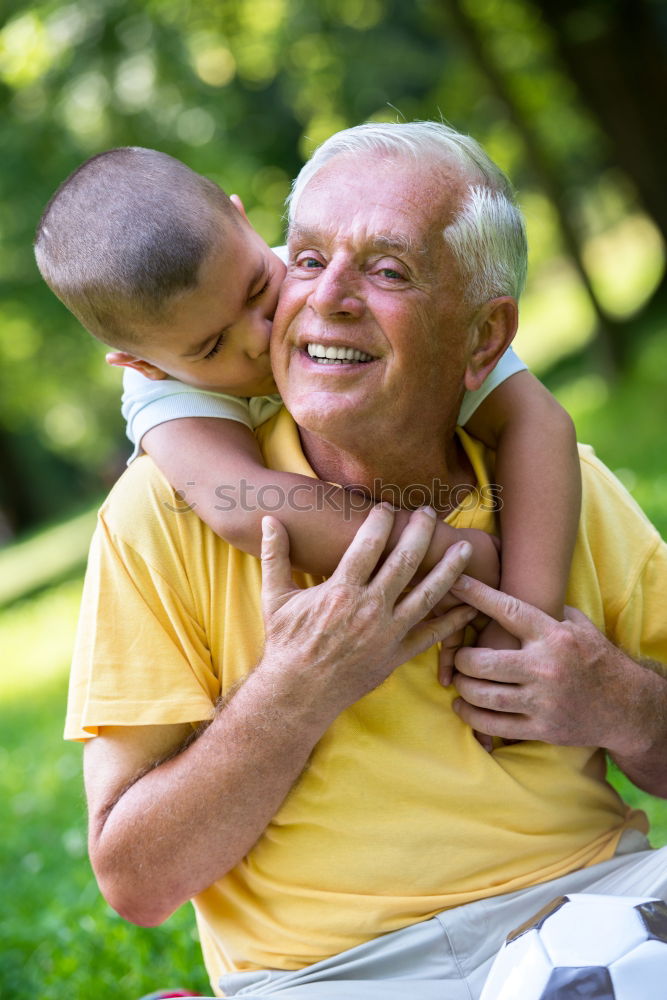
point(216, 336)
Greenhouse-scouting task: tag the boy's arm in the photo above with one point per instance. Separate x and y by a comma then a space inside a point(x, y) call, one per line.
point(218, 468)
point(537, 466)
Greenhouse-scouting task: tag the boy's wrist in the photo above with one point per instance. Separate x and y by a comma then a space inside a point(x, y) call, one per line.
point(484, 564)
point(531, 591)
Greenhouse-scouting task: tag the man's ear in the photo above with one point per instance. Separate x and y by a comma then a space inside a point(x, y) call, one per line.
point(123, 360)
point(238, 205)
point(494, 330)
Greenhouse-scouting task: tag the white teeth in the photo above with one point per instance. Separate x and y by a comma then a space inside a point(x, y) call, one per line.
point(334, 355)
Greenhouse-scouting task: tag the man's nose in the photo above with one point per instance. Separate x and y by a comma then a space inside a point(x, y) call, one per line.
point(337, 292)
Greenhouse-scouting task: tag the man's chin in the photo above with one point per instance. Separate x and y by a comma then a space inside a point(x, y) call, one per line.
point(329, 414)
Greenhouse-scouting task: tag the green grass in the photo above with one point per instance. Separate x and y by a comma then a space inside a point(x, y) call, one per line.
point(59, 938)
point(51, 553)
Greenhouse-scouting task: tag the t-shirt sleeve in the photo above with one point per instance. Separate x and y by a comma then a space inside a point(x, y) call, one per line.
point(642, 621)
point(141, 655)
point(509, 364)
point(147, 403)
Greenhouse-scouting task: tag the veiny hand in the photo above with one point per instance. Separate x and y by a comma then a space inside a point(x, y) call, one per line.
point(566, 685)
point(345, 636)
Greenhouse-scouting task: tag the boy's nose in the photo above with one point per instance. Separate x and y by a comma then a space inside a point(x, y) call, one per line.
point(257, 337)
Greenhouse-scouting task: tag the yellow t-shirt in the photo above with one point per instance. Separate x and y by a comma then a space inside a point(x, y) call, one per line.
point(400, 813)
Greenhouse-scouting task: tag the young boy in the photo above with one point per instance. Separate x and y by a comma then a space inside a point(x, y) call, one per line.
point(157, 262)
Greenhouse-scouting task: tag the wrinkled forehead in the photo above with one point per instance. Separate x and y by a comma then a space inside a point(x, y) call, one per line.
point(394, 194)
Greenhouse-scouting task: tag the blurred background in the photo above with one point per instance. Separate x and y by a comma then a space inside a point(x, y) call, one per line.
point(567, 95)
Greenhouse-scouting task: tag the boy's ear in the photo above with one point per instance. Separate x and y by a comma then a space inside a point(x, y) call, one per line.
point(494, 330)
point(123, 360)
point(238, 205)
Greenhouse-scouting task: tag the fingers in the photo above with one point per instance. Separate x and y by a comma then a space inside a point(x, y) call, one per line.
point(520, 619)
point(448, 650)
point(276, 569)
point(427, 633)
point(505, 666)
point(363, 554)
point(429, 591)
point(404, 560)
point(577, 617)
point(500, 724)
point(486, 742)
point(505, 698)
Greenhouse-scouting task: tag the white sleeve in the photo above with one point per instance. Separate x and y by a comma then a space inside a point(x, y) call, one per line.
point(509, 364)
point(147, 403)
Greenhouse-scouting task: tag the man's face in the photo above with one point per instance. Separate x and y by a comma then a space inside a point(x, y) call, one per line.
point(216, 336)
point(372, 284)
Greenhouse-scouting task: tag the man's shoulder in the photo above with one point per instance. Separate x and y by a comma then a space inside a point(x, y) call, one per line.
point(144, 511)
point(137, 488)
point(616, 540)
point(605, 499)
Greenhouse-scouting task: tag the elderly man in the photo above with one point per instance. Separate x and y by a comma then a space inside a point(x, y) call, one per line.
point(339, 829)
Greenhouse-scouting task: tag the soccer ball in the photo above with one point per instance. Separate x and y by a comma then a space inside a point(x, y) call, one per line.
point(601, 947)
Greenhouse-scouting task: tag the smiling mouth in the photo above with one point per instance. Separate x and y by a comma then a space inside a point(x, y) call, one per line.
point(328, 355)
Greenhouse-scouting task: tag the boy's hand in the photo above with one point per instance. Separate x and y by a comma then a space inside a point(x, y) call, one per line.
point(494, 636)
point(491, 636)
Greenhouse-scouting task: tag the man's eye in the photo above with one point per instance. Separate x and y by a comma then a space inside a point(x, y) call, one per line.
point(389, 269)
point(309, 263)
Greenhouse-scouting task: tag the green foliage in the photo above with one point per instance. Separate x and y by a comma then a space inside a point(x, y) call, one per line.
point(241, 91)
point(624, 421)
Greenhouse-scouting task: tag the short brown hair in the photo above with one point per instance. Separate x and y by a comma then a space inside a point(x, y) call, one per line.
point(123, 234)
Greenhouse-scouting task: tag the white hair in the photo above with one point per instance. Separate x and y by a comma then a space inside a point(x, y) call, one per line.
point(487, 236)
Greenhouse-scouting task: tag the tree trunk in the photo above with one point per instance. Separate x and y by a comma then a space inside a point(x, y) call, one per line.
point(616, 54)
point(17, 510)
point(611, 346)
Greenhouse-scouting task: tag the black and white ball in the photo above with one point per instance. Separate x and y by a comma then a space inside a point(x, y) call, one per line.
point(600, 947)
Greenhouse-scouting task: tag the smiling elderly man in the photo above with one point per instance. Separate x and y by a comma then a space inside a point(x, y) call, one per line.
point(339, 829)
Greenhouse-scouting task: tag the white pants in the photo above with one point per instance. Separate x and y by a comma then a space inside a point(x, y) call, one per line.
point(449, 956)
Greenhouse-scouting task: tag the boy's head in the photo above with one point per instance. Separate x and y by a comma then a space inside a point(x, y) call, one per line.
point(156, 261)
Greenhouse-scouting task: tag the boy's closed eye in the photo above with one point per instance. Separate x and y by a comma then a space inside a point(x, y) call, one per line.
point(258, 294)
point(221, 339)
point(216, 347)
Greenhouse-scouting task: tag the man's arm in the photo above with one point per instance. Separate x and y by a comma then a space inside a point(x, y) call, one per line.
point(170, 815)
point(567, 685)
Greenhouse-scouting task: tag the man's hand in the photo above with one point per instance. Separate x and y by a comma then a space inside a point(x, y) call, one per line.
point(566, 685)
point(344, 637)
